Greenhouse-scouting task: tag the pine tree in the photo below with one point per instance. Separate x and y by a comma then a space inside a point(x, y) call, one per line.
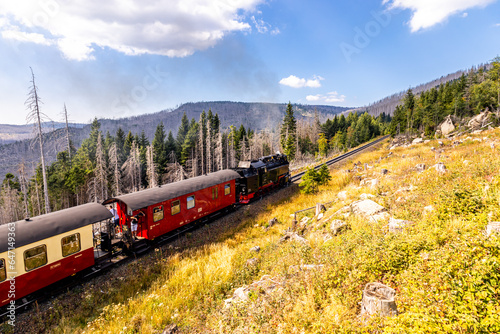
point(309, 183)
point(324, 175)
point(288, 133)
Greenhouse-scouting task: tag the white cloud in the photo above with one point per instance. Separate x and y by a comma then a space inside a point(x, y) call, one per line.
point(264, 27)
point(427, 13)
point(174, 28)
point(296, 82)
point(25, 37)
point(332, 97)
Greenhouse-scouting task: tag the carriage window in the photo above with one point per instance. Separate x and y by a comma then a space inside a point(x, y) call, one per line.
point(227, 189)
point(190, 202)
point(3, 273)
point(215, 193)
point(176, 207)
point(71, 244)
point(35, 257)
point(158, 213)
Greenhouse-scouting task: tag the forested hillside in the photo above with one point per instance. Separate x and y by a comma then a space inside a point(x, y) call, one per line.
point(258, 116)
point(466, 96)
point(108, 164)
point(388, 104)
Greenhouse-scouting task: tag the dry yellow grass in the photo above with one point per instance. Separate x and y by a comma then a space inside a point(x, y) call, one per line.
point(438, 289)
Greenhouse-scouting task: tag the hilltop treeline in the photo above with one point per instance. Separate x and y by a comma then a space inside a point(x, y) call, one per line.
point(108, 164)
point(466, 96)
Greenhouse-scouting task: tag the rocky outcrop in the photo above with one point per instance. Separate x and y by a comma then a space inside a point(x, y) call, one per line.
point(447, 126)
point(369, 209)
point(478, 121)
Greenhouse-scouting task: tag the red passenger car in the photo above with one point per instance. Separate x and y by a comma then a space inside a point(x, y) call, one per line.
point(45, 249)
point(170, 206)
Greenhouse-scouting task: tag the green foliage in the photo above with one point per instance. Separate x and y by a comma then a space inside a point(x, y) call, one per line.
point(309, 183)
point(324, 175)
point(288, 133)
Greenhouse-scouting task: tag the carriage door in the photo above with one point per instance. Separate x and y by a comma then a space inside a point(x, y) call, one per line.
point(155, 226)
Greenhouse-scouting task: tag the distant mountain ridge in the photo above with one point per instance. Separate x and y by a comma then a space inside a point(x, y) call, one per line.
point(17, 147)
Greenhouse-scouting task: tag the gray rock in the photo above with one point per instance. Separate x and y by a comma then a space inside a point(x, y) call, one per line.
point(478, 120)
point(252, 262)
point(292, 236)
point(272, 222)
point(420, 167)
point(440, 167)
point(384, 171)
point(378, 299)
point(447, 126)
point(255, 249)
point(171, 329)
point(417, 141)
point(337, 226)
point(493, 227)
point(398, 225)
point(369, 209)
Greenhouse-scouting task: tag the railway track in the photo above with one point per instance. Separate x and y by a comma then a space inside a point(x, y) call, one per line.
point(71, 282)
point(330, 162)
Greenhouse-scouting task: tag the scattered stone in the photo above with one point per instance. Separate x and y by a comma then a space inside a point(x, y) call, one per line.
point(433, 148)
point(417, 141)
point(440, 143)
point(306, 267)
point(272, 222)
point(369, 209)
point(171, 329)
point(372, 183)
point(466, 162)
point(400, 200)
point(427, 141)
point(338, 226)
point(252, 262)
point(366, 196)
point(493, 227)
point(420, 167)
point(292, 236)
point(384, 171)
point(378, 299)
point(255, 249)
point(440, 167)
point(398, 225)
point(342, 195)
point(429, 208)
point(492, 145)
point(264, 286)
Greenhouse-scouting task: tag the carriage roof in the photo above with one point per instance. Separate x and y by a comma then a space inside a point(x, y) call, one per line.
point(51, 224)
point(145, 198)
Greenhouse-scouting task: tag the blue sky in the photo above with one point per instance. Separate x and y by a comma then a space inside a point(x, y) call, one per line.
point(121, 58)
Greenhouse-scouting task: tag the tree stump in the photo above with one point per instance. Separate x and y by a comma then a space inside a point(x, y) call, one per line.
point(378, 299)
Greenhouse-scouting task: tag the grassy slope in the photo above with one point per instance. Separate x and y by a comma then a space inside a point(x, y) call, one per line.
point(445, 271)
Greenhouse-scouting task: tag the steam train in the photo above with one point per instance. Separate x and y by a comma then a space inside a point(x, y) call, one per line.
point(40, 251)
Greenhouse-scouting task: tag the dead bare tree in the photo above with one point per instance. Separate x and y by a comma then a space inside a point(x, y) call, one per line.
point(100, 171)
point(114, 161)
point(23, 181)
point(68, 141)
point(151, 167)
point(175, 171)
point(35, 116)
point(132, 169)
